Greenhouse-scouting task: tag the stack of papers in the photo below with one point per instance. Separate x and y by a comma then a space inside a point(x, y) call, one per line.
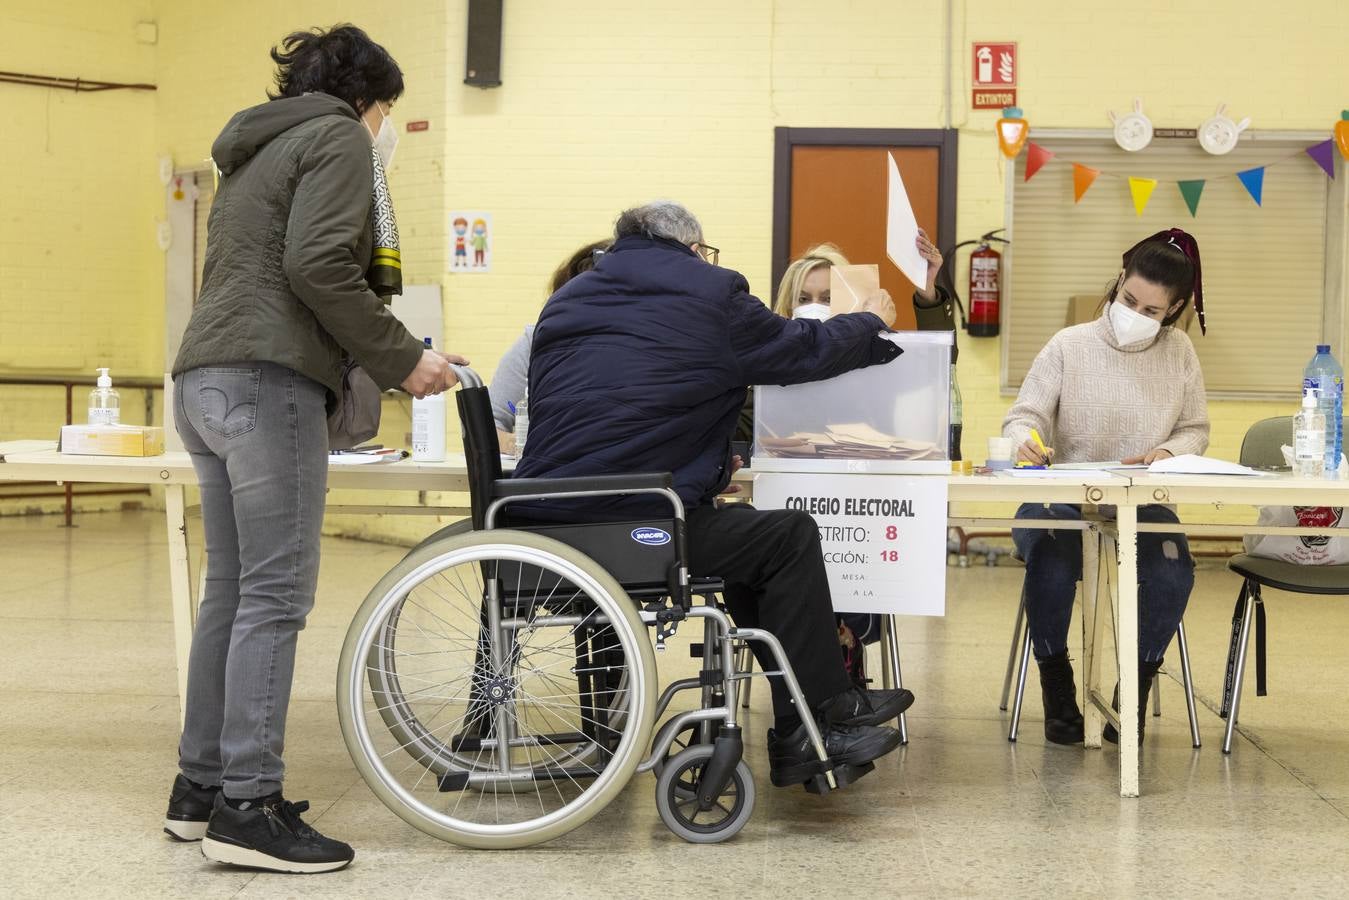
point(855, 441)
point(1193, 464)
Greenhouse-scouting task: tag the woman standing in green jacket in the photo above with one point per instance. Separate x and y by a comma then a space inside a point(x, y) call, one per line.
point(301, 257)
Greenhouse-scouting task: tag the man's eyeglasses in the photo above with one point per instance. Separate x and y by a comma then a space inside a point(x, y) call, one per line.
point(709, 253)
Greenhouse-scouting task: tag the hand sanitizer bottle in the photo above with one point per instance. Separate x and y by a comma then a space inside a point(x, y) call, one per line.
point(428, 426)
point(104, 404)
point(1309, 439)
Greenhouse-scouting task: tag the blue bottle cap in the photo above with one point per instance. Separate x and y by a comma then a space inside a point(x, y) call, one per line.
point(1320, 348)
point(426, 341)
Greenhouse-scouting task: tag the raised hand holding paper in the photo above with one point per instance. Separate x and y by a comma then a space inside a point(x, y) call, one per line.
point(901, 230)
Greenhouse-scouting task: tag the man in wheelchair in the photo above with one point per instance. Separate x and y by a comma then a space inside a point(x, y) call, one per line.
point(641, 365)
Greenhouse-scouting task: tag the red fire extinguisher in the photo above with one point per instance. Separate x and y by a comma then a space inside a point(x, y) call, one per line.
point(985, 284)
point(985, 289)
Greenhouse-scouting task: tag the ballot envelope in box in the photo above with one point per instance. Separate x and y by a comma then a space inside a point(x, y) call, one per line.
point(886, 419)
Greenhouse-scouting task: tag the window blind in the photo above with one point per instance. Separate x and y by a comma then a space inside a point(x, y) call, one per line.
point(1265, 267)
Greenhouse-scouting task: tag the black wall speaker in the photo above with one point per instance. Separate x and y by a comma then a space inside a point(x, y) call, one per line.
point(483, 65)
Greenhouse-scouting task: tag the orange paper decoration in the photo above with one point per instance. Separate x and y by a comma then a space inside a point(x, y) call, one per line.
point(1342, 133)
point(1083, 176)
point(1012, 131)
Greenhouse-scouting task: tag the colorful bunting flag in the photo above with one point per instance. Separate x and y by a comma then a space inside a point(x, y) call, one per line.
point(1324, 154)
point(1254, 181)
point(1083, 176)
point(1191, 190)
point(1037, 156)
point(1141, 189)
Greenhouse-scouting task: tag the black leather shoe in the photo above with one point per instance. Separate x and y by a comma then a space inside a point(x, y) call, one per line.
point(792, 757)
point(1147, 671)
point(189, 809)
point(858, 707)
point(271, 836)
point(1063, 718)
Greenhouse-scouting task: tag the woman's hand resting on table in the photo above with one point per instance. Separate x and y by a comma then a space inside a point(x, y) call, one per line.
point(1148, 458)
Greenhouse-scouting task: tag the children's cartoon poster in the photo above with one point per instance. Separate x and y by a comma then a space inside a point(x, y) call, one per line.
point(470, 242)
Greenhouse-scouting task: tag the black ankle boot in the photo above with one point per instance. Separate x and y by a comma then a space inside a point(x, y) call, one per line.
point(1063, 719)
point(1147, 671)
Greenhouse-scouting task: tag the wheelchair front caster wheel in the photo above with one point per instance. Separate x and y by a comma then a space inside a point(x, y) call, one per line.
point(677, 803)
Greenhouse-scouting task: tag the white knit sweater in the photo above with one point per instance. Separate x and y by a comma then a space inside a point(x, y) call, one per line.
point(1093, 400)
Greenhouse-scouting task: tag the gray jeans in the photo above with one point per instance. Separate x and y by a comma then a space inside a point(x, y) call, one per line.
point(258, 438)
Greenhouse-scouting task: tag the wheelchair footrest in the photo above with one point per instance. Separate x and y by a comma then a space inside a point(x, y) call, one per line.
point(844, 775)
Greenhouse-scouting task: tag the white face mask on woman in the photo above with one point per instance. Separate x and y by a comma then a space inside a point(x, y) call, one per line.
point(387, 140)
point(819, 311)
point(1131, 327)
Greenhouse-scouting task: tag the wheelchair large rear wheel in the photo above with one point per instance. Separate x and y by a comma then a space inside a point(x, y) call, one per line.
point(496, 689)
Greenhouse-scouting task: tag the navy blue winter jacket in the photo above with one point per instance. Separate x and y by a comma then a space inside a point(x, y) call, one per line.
point(641, 365)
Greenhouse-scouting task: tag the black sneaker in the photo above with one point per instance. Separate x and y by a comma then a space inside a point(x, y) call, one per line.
point(271, 836)
point(189, 809)
point(865, 707)
point(793, 760)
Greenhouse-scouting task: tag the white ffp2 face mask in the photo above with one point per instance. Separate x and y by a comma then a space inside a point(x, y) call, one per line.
point(1131, 327)
point(386, 141)
point(819, 311)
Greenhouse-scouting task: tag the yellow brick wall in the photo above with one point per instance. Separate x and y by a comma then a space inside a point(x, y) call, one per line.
point(81, 279)
point(607, 103)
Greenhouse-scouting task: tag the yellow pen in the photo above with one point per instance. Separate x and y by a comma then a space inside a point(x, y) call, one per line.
point(1044, 451)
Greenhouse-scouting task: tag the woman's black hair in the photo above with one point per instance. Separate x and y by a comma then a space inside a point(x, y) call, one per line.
point(341, 61)
point(583, 260)
point(1170, 259)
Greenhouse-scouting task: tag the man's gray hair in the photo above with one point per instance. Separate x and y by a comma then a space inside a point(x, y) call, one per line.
point(659, 219)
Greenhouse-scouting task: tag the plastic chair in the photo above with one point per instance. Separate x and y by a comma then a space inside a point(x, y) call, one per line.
point(1261, 449)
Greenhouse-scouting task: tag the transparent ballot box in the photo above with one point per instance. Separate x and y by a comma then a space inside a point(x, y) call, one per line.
point(889, 419)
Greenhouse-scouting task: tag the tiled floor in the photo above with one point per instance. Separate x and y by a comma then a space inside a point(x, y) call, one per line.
point(88, 721)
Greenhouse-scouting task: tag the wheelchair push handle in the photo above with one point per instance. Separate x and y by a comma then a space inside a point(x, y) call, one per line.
point(467, 377)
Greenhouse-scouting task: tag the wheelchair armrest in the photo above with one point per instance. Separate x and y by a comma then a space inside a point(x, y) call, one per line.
point(608, 484)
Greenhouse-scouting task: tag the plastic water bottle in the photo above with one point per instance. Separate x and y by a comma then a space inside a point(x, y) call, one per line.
point(1325, 376)
point(105, 407)
point(1309, 439)
point(428, 426)
point(957, 415)
point(521, 425)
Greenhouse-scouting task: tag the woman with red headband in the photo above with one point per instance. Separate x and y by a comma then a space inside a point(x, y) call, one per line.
point(1125, 387)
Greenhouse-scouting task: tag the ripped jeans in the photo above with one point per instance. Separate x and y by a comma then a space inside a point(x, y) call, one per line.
point(1054, 566)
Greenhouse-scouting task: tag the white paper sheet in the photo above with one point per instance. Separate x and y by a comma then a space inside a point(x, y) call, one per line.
point(1051, 472)
point(1098, 466)
point(361, 459)
point(901, 230)
point(1191, 464)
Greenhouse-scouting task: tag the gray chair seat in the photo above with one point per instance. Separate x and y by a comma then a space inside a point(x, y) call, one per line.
point(1286, 576)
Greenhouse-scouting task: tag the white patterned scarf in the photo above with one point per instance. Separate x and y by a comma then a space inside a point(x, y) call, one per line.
point(386, 265)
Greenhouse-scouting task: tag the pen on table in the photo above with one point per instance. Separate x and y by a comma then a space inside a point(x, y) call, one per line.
point(1044, 451)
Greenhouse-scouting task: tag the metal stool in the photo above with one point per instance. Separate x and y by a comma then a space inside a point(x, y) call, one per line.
point(1021, 642)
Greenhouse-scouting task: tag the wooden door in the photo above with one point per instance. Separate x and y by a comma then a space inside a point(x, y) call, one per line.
point(835, 187)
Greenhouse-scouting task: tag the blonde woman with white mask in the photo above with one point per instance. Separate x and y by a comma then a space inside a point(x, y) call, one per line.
point(1126, 386)
point(804, 293)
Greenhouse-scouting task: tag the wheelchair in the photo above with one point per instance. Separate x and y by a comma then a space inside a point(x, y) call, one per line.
point(497, 688)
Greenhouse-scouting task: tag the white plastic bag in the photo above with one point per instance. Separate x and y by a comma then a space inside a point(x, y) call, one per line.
point(1304, 550)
